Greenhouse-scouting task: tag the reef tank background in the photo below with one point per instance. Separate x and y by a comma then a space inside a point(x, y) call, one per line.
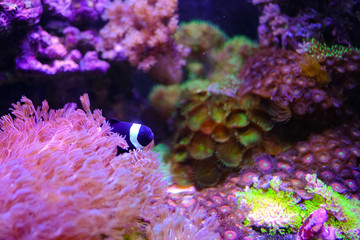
point(254, 106)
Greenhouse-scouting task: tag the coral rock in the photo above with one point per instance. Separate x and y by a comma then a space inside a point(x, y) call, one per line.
point(312, 225)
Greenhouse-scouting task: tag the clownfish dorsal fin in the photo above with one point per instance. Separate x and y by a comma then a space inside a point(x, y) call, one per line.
point(113, 121)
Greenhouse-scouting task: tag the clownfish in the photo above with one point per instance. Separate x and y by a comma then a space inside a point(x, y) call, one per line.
point(136, 135)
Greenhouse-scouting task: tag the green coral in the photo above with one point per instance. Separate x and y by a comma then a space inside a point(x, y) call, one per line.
point(271, 209)
point(322, 51)
point(230, 57)
point(200, 36)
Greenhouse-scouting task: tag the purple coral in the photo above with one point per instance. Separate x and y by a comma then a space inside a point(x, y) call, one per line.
point(38, 45)
point(76, 10)
point(287, 25)
point(264, 163)
point(91, 62)
point(44, 53)
point(278, 75)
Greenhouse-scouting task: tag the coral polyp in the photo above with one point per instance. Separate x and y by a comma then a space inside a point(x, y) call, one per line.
point(237, 119)
point(201, 146)
point(196, 117)
point(207, 173)
point(221, 133)
point(248, 137)
point(310, 67)
point(230, 153)
point(264, 163)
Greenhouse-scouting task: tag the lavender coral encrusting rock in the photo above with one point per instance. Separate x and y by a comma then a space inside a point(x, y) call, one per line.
point(44, 53)
point(43, 49)
point(55, 44)
point(19, 14)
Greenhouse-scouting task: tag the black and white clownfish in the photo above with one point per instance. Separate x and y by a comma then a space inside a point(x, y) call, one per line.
point(136, 135)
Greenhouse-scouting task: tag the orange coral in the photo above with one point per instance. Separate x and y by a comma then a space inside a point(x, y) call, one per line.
point(312, 68)
point(61, 179)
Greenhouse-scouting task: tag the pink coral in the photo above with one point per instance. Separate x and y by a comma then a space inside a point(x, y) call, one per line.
point(61, 179)
point(141, 31)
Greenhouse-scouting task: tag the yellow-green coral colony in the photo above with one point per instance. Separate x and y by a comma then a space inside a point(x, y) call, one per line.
point(275, 210)
point(270, 209)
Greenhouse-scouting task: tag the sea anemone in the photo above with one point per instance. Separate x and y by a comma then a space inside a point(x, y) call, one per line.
point(61, 179)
